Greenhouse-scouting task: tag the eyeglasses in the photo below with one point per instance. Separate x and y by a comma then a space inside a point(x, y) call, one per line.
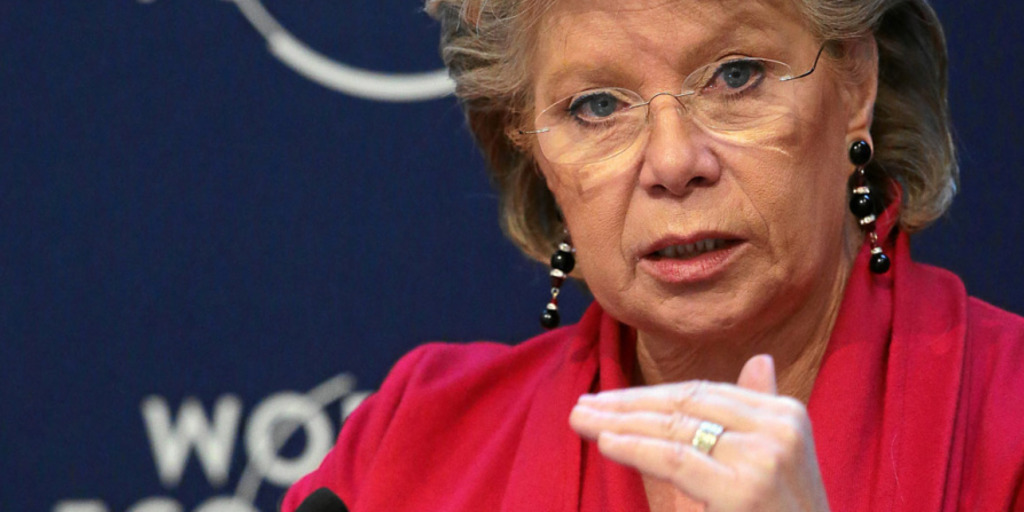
point(730, 96)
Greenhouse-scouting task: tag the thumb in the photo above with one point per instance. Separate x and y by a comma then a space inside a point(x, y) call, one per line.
point(758, 374)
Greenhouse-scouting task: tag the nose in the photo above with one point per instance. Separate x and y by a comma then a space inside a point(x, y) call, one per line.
point(677, 157)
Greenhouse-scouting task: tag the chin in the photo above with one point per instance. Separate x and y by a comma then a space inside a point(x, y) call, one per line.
point(735, 309)
point(702, 318)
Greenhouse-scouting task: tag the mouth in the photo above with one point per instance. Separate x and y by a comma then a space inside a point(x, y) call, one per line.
point(691, 260)
point(692, 250)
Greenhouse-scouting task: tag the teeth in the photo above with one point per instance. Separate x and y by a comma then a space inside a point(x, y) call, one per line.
point(691, 250)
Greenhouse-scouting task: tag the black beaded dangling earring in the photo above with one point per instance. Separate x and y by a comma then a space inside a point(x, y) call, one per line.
point(865, 207)
point(562, 262)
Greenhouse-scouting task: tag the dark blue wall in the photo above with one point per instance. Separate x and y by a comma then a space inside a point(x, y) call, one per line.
point(183, 217)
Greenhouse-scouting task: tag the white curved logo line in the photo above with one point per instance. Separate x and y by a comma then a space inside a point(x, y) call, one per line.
point(330, 390)
point(361, 83)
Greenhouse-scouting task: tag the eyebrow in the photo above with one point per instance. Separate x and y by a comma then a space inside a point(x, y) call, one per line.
point(574, 78)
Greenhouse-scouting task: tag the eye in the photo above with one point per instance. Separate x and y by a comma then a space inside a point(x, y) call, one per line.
point(738, 75)
point(595, 105)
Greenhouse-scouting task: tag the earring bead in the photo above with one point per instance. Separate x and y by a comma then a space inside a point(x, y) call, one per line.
point(879, 263)
point(860, 153)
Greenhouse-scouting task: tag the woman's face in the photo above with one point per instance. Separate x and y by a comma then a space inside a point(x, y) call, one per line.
point(693, 231)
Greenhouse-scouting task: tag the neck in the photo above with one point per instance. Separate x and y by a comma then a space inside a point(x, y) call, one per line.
point(797, 345)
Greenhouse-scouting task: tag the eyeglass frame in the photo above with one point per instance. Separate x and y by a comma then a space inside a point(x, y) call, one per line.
point(814, 66)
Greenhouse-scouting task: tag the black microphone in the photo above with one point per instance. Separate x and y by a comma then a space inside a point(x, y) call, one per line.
point(322, 500)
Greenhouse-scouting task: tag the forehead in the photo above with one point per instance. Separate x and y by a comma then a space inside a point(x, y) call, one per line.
point(622, 40)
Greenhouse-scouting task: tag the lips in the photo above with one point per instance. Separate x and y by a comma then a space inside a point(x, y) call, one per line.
point(690, 259)
point(689, 247)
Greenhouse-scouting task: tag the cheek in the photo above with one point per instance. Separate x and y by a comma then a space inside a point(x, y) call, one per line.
point(597, 254)
point(813, 168)
point(594, 215)
point(792, 183)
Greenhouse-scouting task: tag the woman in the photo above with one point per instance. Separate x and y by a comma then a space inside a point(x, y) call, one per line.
point(760, 338)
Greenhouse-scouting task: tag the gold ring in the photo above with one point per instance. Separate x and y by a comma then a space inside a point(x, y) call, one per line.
point(706, 436)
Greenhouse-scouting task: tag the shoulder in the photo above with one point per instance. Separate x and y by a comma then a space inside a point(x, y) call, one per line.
point(993, 338)
point(487, 370)
point(1000, 327)
point(442, 405)
point(941, 295)
point(990, 403)
point(995, 351)
point(960, 344)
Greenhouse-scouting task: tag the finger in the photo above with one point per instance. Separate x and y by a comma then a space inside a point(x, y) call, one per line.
point(678, 428)
point(680, 391)
point(708, 401)
point(698, 475)
point(758, 374)
point(590, 422)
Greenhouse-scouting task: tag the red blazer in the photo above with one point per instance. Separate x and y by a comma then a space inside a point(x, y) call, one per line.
point(918, 406)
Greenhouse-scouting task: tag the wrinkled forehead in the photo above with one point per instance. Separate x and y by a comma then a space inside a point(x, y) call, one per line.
point(631, 37)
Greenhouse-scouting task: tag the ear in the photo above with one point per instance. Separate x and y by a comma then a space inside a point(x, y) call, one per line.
point(859, 81)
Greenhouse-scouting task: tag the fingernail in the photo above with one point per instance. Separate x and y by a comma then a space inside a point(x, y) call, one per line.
point(580, 412)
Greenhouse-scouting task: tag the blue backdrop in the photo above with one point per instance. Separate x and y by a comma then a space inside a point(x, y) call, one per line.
point(210, 234)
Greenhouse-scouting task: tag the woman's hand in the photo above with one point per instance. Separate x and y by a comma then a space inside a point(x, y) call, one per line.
point(764, 460)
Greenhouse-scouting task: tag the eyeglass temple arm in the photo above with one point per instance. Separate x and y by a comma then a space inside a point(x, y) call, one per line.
point(533, 132)
point(809, 71)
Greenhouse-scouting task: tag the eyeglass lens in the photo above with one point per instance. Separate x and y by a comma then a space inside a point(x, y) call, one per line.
point(730, 97)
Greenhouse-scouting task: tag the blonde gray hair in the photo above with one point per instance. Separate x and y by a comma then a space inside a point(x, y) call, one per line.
point(486, 44)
